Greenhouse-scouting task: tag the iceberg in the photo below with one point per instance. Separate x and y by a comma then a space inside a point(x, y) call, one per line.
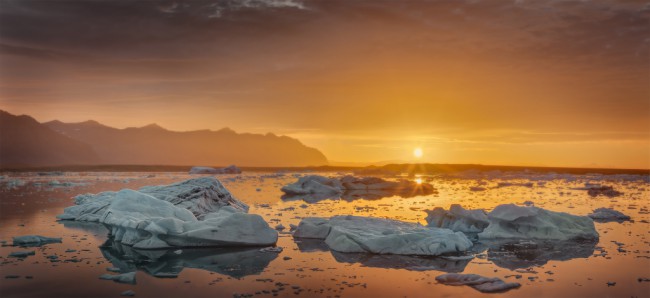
point(351, 188)
point(34, 240)
point(194, 213)
point(608, 215)
point(200, 196)
point(480, 283)
point(458, 219)
point(382, 236)
point(124, 278)
point(231, 169)
point(529, 222)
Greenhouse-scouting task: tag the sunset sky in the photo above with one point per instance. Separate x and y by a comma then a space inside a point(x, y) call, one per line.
point(510, 82)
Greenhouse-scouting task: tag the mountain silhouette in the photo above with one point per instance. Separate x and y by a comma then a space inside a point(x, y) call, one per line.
point(154, 145)
point(25, 142)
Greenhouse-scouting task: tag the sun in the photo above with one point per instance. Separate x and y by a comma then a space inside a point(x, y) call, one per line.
point(417, 152)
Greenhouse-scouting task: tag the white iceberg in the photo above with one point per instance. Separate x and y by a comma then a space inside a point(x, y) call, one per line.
point(231, 169)
point(607, 215)
point(200, 196)
point(175, 215)
point(523, 222)
point(458, 219)
point(480, 283)
point(382, 236)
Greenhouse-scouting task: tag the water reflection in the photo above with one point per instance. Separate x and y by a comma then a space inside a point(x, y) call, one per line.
point(523, 254)
point(412, 263)
point(352, 195)
point(233, 262)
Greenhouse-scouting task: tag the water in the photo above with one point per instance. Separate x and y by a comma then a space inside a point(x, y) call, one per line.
point(309, 268)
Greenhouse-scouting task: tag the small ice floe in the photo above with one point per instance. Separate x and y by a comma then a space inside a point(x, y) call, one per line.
point(507, 184)
point(512, 221)
point(22, 254)
point(124, 278)
point(595, 190)
point(196, 212)
point(382, 236)
point(34, 240)
point(280, 227)
point(271, 249)
point(232, 169)
point(608, 215)
point(480, 283)
point(458, 219)
point(128, 293)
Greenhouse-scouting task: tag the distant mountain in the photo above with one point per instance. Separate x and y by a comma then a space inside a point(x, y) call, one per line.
point(25, 142)
point(154, 145)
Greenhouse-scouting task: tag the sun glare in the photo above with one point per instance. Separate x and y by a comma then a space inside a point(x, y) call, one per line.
point(417, 152)
point(418, 180)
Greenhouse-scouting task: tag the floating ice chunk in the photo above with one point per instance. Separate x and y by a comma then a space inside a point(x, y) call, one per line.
point(458, 219)
point(607, 215)
point(166, 216)
point(143, 221)
point(314, 184)
point(512, 221)
point(200, 196)
point(34, 240)
point(313, 227)
point(232, 169)
point(480, 283)
point(128, 293)
point(506, 184)
point(22, 254)
point(350, 188)
point(125, 278)
point(382, 236)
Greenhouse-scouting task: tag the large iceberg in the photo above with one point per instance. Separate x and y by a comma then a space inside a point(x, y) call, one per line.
point(458, 219)
point(529, 222)
point(176, 215)
point(510, 221)
point(351, 187)
point(200, 196)
point(382, 236)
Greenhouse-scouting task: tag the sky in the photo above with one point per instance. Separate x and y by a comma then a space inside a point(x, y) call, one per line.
point(509, 82)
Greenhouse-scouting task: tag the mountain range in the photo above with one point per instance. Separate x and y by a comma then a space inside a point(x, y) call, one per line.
point(26, 142)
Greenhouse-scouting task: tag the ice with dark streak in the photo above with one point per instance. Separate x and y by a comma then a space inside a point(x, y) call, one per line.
point(194, 213)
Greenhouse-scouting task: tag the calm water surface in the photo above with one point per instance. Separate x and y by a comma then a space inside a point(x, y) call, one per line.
point(29, 204)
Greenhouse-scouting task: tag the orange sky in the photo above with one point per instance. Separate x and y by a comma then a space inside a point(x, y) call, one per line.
point(555, 83)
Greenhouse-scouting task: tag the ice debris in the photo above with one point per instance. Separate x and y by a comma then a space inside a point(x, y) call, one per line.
point(381, 236)
point(480, 283)
point(22, 254)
